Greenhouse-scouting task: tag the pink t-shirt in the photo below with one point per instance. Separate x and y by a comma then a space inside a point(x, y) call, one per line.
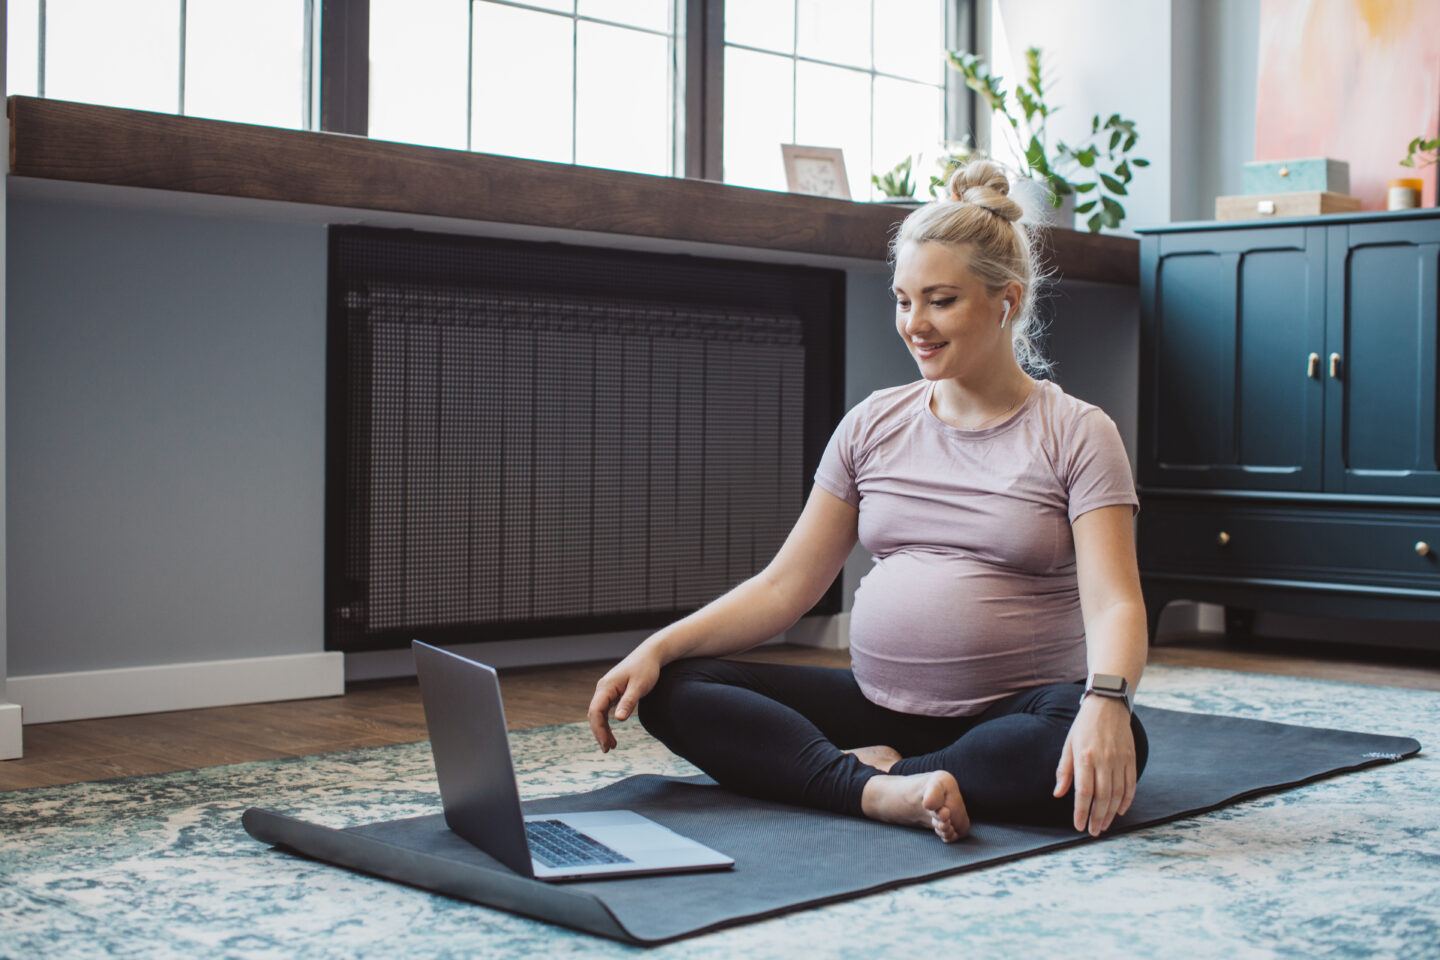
point(973, 594)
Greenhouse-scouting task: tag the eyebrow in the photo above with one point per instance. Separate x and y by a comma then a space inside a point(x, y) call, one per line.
point(933, 286)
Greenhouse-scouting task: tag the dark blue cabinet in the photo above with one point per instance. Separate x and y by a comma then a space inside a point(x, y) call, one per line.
point(1380, 404)
point(1289, 444)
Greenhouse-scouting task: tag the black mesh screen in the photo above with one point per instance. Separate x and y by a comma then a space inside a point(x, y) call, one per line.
point(530, 439)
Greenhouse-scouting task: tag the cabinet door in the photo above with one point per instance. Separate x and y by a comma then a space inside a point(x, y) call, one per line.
point(1229, 320)
point(1381, 400)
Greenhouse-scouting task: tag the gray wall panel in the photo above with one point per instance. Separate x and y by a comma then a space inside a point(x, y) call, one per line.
point(166, 396)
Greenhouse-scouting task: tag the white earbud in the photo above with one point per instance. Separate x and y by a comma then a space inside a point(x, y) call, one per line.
point(1006, 315)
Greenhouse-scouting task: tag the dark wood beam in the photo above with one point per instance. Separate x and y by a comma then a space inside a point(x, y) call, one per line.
point(61, 140)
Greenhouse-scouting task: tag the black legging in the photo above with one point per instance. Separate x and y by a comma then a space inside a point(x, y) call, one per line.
point(776, 731)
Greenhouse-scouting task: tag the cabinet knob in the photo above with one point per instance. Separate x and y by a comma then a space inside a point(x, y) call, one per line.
point(1334, 366)
point(1312, 367)
point(1422, 548)
point(1283, 171)
point(1223, 538)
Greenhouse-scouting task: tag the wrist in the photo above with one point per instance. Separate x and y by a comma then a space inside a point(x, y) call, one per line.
point(1105, 705)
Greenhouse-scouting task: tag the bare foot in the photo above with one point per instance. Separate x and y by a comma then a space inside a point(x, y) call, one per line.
point(881, 758)
point(921, 800)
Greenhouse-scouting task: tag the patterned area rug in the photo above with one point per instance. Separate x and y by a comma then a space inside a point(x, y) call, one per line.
point(159, 866)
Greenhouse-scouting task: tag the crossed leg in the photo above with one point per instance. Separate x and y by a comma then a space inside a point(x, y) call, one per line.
point(780, 731)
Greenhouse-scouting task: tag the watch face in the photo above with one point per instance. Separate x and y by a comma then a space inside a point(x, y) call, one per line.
point(1108, 681)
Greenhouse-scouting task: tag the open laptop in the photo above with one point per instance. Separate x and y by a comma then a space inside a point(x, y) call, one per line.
point(482, 803)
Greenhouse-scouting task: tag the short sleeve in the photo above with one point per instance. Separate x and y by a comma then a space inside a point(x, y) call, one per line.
point(837, 472)
point(1096, 466)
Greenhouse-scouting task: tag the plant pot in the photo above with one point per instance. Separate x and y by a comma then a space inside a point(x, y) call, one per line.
point(1034, 198)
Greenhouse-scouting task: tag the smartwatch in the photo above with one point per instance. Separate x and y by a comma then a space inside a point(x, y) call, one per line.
point(1109, 685)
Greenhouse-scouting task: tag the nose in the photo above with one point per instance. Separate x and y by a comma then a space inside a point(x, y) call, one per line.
point(917, 327)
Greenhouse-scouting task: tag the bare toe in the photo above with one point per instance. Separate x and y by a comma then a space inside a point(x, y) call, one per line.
point(942, 799)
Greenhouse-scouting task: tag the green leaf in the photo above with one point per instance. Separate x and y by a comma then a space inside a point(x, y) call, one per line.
point(1027, 102)
point(1032, 70)
point(1086, 157)
point(1111, 213)
point(1035, 154)
point(1123, 171)
point(1095, 123)
point(1129, 142)
point(1115, 185)
point(1094, 223)
point(1140, 162)
point(1086, 207)
point(1084, 187)
point(1114, 139)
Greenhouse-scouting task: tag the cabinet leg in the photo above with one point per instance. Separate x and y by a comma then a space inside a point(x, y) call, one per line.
point(1239, 623)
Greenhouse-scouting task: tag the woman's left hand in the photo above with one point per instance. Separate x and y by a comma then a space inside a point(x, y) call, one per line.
point(1099, 758)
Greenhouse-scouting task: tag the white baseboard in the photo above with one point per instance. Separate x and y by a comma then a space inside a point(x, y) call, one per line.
point(52, 697)
point(10, 735)
point(833, 633)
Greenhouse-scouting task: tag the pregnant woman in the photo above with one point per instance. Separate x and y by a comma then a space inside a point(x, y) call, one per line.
point(997, 640)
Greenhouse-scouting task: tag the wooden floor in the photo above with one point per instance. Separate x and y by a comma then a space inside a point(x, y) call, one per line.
point(388, 711)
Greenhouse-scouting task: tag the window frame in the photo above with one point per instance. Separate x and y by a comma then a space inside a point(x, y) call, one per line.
point(337, 75)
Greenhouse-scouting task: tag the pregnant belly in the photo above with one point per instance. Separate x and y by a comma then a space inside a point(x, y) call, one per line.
point(946, 636)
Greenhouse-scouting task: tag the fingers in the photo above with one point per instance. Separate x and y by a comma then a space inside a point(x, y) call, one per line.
point(627, 704)
point(1084, 790)
point(1129, 797)
point(1062, 772)
point(1116, 778)
point(599, 707)
point(1100, 804)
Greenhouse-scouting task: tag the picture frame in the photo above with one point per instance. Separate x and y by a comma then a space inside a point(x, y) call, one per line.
point(818, 171)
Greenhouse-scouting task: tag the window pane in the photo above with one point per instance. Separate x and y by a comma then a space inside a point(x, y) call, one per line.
point(117, 54)
point(835, 30)
point(761, 23)
point(523, 88)
point(909, 119)
point(622, 111)
point(22, 48)
point(832, 109)
point(910, 39)
point(246, 63)
point(651, 14)
point(418, 54)
point(759, 95)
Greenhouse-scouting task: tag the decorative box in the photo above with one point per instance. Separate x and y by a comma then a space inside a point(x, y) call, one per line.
point(1284, 176)
point(1303, 203)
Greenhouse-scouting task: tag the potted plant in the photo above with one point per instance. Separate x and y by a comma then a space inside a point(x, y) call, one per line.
point(1070, 170)
point(897, 184)
point(956, 153)
point(1417, 149)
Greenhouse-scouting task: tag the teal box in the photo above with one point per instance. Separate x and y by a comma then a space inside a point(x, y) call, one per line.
point(1288, 176)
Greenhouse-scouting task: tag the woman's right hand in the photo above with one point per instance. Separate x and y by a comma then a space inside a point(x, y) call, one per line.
point(627, 682)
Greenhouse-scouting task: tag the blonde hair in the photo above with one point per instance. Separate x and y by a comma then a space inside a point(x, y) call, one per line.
point(976, 209)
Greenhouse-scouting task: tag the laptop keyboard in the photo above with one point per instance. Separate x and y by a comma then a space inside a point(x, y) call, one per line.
point(557, 844)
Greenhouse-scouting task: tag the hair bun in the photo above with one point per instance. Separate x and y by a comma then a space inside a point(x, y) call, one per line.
point(984, 183)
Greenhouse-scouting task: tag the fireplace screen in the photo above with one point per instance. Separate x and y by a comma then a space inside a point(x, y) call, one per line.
point(537, 439)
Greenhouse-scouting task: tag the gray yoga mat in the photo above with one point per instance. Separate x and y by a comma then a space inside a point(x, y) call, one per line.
point(789, 857)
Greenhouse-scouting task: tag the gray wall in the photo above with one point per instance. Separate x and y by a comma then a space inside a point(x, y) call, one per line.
point(167, 427)
point(166, 434)
point(1226, 55)
point(4, 152)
